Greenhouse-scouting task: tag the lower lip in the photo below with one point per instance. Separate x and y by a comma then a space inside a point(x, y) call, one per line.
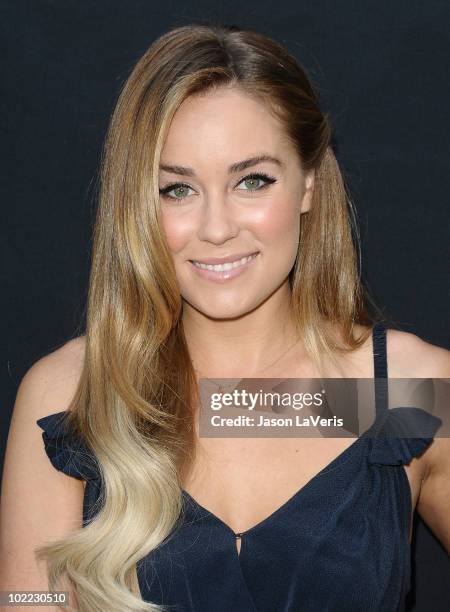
point(221, 277)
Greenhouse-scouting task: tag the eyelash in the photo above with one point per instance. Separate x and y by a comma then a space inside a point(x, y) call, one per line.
point(269, 180)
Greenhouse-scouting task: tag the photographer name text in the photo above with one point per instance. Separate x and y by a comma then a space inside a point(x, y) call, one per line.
point(264, 421)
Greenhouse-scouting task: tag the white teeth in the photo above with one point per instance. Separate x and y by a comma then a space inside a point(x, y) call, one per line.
point(226, 266)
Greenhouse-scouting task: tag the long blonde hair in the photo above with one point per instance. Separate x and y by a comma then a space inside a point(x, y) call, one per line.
point(133, 402)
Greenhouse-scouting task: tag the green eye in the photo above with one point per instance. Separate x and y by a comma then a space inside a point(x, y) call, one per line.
point(175, 187)
point(252, 182)
point(181, 188)
point(254, 178)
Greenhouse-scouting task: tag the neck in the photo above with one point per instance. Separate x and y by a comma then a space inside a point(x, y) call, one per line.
point(243, 346)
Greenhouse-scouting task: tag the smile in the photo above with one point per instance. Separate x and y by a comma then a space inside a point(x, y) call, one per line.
point(226, 271)
point(226, 266)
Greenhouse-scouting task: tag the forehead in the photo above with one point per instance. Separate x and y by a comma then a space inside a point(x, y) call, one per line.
point(223, 124)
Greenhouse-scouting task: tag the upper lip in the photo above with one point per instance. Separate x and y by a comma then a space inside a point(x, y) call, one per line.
point(227, 259)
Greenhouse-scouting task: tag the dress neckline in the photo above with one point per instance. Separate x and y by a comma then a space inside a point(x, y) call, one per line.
point(339, 460)
point(380, 372)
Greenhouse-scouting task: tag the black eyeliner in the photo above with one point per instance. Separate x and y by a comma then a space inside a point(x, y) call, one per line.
point(164, 190)
point(265, 177)
point(254, 175)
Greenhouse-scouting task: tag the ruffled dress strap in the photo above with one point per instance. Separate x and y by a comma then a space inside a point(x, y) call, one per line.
point(414, 427)
point(397, 451)
point(67, 452)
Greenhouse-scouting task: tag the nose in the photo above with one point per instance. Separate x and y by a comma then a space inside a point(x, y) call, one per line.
point(218, 222)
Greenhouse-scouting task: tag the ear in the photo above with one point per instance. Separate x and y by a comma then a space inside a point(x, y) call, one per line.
point(309, 190)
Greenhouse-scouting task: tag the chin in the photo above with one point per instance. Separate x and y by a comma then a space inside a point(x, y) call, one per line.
point(221, 311)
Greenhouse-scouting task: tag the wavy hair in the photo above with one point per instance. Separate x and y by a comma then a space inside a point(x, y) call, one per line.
point(134, 400)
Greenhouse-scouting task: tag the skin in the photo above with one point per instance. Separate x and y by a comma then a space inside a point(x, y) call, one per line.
point(214, 214)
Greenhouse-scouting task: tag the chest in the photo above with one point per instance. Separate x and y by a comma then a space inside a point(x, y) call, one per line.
point(244, 481)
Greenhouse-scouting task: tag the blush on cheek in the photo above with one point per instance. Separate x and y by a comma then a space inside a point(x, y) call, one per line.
point(279, 221)
point(178, 232)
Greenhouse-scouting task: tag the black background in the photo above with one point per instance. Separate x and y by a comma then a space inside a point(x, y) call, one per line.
point(381, 69)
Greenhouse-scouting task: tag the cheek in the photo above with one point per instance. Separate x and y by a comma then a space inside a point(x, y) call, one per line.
point(178, 230)
point(279, 222)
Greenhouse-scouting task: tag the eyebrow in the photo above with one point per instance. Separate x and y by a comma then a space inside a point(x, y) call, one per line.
point(236, 167)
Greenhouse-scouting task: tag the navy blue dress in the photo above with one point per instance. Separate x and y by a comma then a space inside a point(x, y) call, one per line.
point(340, 544)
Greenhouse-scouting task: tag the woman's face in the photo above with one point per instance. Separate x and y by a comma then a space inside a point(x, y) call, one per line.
point(219, 202)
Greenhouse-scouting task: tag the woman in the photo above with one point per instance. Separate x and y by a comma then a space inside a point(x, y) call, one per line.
point(217, 152)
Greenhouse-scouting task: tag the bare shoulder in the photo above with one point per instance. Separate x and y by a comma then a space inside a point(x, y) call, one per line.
point(48, 386)
point(38, 502)
point(54, 378)
point(409, 356)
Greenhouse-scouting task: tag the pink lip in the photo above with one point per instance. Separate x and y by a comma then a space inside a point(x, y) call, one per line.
point(221, 277)
point(214, 261)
